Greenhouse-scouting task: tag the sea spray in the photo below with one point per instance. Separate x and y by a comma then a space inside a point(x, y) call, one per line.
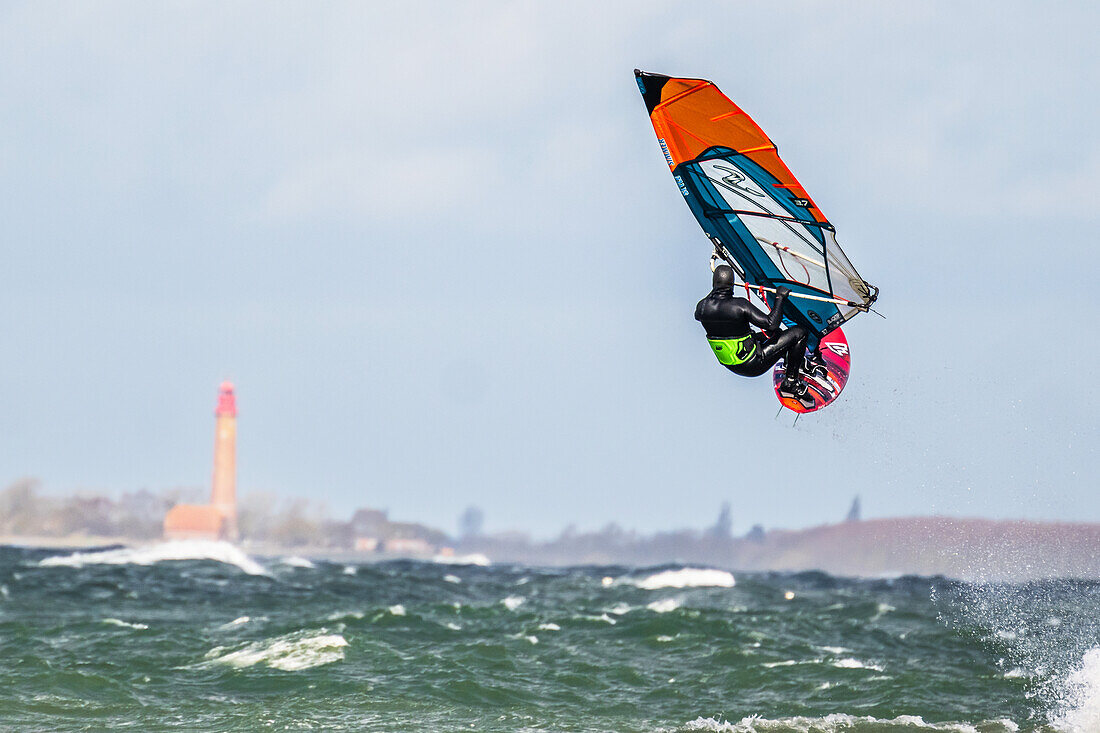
point(1079, 710)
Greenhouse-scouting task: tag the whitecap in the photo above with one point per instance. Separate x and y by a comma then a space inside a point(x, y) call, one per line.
point(882, 610)
point(350, 570)
point(222, 552)
point(341, 615)
point(397, 609)
point(620, 609)
point(239, 621)
point(473, 559)
point(839, 722)
point(296, 562)
point(290, 653)
point(124, 624)
point(664, 605)
point(513, 602)
point(685, 578)
point(549, 627)
point(452, 578)
point(850, 663)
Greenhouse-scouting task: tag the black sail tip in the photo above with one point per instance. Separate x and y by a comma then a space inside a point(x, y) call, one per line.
point(650, 85)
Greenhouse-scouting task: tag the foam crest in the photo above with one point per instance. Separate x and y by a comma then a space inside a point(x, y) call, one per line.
point(664, 605)
point(222, 552)
point(842, 723)
point(1081, 706)
point(296, 562)
point(685, 578)
point(239, 621)
point(124, 624)
point(290, 653)
point(850, 663)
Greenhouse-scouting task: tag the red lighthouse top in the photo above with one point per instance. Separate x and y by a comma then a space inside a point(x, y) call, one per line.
point(227, 403)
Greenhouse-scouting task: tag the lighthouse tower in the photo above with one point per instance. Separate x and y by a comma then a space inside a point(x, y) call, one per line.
point(223, 491)
point(218, 519)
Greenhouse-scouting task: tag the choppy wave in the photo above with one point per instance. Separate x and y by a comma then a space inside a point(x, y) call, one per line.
point(650, 649)
point(222, 552)
point(685, 578)
point(290, 653)
point(842, 723)
point(125, 624)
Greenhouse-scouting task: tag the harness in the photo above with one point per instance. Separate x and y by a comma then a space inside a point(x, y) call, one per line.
point(732, 352)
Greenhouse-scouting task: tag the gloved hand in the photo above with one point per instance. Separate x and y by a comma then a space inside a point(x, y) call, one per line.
point(782, 291)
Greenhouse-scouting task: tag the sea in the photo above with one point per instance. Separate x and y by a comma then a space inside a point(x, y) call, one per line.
point(201, 636)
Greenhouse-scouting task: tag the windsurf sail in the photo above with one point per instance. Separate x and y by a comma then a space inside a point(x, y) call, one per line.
point(755, 212)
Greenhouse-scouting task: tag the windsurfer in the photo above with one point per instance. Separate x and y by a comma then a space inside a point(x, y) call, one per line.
point(728, 321)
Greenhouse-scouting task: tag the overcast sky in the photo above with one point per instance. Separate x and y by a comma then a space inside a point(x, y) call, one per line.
point(436, 247)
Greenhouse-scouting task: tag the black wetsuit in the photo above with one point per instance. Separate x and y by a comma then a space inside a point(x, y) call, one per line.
point(725, 316)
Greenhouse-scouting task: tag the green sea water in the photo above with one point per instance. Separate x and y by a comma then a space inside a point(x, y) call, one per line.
point(199, 636)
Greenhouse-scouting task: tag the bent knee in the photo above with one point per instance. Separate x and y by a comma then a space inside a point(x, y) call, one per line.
point(799, 332)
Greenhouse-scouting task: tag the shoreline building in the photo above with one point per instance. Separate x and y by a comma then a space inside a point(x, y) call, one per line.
point(218, 519)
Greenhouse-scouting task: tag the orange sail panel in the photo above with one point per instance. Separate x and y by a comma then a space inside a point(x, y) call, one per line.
point(692, 116)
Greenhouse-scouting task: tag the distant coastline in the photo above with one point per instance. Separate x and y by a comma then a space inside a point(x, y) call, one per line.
point(965, 549)
point(75, 541)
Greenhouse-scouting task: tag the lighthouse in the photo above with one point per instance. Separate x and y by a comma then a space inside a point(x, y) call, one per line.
point(223, 491)
point(218, 519)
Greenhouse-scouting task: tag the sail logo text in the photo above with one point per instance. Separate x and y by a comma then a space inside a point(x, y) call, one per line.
point(664, 149)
